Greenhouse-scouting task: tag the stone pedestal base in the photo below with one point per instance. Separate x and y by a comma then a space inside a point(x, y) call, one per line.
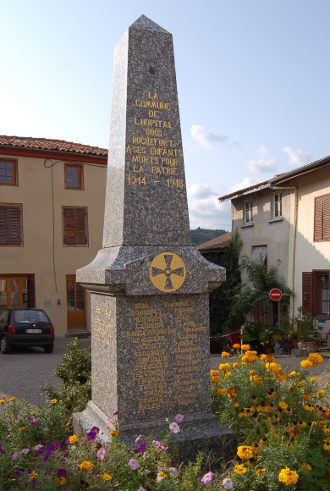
point(201, 432)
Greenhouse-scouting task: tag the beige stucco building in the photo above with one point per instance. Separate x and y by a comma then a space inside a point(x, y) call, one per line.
point(52, 196)
point(285, 221)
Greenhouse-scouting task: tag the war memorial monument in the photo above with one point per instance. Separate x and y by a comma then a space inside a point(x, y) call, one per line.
point(149, 286)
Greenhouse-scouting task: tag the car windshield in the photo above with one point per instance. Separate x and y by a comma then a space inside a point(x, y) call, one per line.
point(29, 316)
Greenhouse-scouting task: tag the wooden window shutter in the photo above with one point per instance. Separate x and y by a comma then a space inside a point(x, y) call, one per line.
point(307, 292)
point(75, 226)
point(11, 225)
point(322, 218)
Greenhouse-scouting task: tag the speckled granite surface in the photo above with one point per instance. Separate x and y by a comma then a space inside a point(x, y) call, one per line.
point(149, 286)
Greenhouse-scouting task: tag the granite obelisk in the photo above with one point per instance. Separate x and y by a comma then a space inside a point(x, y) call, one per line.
point(149, 286)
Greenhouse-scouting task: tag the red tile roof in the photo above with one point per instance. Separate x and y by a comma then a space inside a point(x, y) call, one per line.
point(45, 144)
point(219, 243)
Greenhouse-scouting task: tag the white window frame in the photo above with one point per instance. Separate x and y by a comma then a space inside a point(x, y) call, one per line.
point(248, 211)
point(277, 205)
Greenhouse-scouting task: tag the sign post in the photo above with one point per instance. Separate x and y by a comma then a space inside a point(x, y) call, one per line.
point(275, 295)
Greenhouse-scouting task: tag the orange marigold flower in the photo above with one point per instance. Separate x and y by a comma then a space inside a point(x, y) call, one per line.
point(106, 476)
point(232, 391)
point(225, 354)
point(245, 452)
point(261, 471)
point(236, 346)
point(73, 439)
point(306, 363)
point(114, 433)
point(315, 358)
point(86, 465)
point(240, 469)
point(245, 347)
point(2, 401)
point(235, 364)
point(283, 405)
point(12, 399)
point(228, 374)
point(61, 481)
point(224, 367)
point(215, 380)
point(221, 392)
point(306, 467)
point(287, 476)
point(214, 373)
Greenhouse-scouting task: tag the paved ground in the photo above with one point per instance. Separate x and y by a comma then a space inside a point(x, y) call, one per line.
point(23, 371)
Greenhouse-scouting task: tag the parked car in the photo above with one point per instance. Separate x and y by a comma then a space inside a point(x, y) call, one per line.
point(25, 327)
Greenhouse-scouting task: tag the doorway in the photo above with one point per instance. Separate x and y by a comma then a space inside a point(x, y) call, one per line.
point(76, 304)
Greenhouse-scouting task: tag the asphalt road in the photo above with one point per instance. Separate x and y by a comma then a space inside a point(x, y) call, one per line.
point(24, 370)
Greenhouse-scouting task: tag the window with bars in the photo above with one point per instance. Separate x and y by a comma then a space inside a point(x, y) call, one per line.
point(11, 227)
point(73, 176)
point(75, 229)
point(322, 218)
point(248, 216)
point(8, 172)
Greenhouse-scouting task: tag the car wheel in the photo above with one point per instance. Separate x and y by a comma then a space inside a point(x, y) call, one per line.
point(4, 346)
point(49, 348)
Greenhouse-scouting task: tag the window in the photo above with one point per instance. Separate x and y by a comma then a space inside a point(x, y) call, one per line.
point(11, 232)
point(8, 172)
point(73, 176)
point(316, 293)
point(75, 231)
point(277, 205)
point(248, 217)
point(322, 218)
point(259, 254)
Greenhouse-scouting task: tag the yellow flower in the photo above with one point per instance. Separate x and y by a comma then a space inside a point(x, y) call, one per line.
point(283, 405)
point(306, 363)
point(53, 401)
point(236, 346)
point(21, 429)
point(252, 372)
point(326, 429)
point(61, 481)
point(86, 465)
point(306, 467)
point(73, 439)
point(2, 401)
point(256, 379)
point(245, 452)
point(240, 469)
point(224, 367)
point(236, 404)
point(287, 476)
point(245, 347)
point(274, 367)
point(221, 392)
point(228, 374)
point(320, 393)
point(33, 475)
point(235, 364)
point(12, 399)
point(261, 471)
point(232, 392)
point(114, 432)
point(106, 476)
point(313, 380)
point(302, 383)
point(308, 407)
point(326, 446)
point(293, 374)
point(225, 354)
point(280, 376)
point(32, 413)
point(315, 358)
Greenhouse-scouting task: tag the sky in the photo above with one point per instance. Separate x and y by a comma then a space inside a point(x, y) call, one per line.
point(253, 83)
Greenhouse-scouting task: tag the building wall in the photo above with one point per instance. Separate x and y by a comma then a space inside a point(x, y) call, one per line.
point(275, 234)
point(43, 253)
point(309, 254)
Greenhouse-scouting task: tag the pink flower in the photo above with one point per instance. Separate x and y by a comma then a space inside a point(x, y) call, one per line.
point(14, 456)
point(228, 483)
point(138, 438)
point(174, 427)
point(24, 451)
point(207, 478)
point(109, 422)
point(101, 453)
point(158, 445)
point(179, 418)
point(115, 413)
point(134, 464)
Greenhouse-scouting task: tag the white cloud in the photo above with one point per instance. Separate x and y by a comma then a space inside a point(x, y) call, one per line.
point(297, 157)
point(205, 210)
point(245, 183)
point(263, 165)
point(207, 139)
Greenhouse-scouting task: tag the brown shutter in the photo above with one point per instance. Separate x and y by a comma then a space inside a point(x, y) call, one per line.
point(307, 292)
point(75, 226)
point(318, 219)
point(326, 217)
point(11, 225)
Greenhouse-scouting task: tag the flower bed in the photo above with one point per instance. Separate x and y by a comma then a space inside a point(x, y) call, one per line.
point(281, 421)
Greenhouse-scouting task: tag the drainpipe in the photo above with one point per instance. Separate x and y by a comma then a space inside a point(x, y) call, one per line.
point(295, 221)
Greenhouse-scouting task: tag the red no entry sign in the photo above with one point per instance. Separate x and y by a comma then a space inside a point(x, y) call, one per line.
point(275, 294)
